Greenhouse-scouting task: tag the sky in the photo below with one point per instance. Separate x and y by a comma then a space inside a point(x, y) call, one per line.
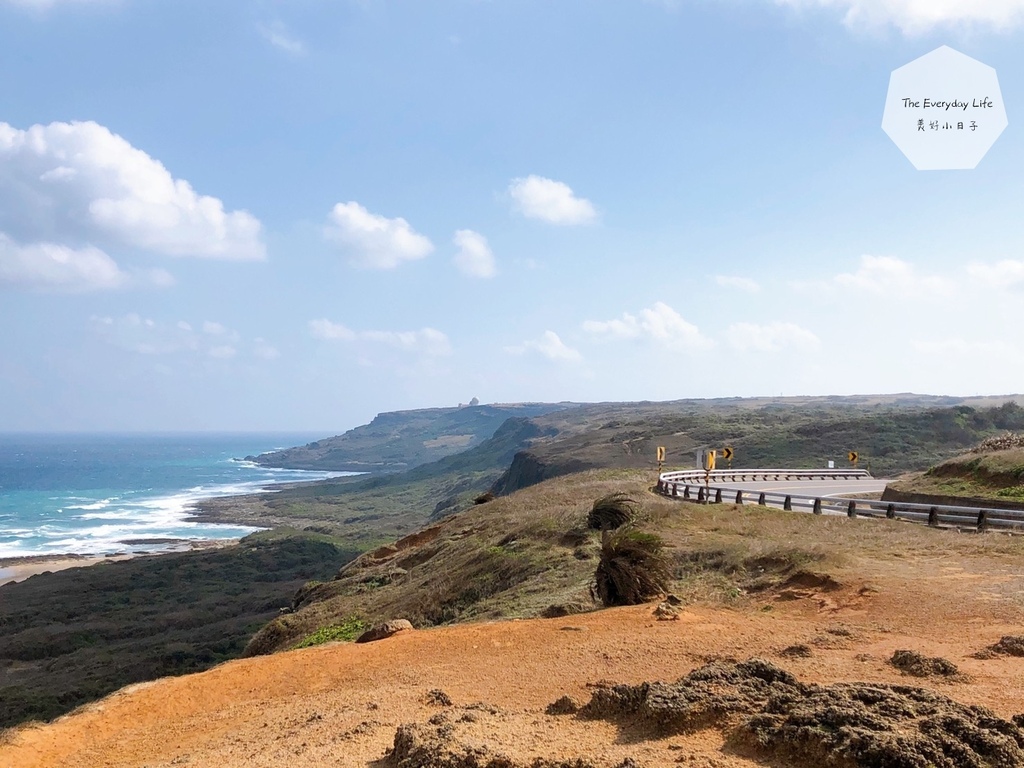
point(295, 215)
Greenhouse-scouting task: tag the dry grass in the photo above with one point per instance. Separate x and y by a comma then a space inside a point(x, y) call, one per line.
point(518, 555)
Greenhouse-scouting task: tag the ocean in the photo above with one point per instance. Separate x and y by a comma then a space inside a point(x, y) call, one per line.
point(106, 494)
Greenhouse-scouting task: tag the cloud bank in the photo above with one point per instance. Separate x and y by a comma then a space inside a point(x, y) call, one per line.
point(474, 257)
point(372, 241)
point(78, 183)
point(551, 201)
point(916, 17)
point(426, 341)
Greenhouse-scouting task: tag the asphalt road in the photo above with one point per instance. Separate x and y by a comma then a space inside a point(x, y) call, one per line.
point(823, 489)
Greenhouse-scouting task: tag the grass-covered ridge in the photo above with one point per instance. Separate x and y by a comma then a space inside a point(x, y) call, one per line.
point(995, 475)
point(532, 554)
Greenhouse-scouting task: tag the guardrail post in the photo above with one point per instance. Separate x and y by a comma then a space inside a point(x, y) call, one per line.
point(817, 507)
point(890, 511)
point(933, 517)
point(788, 504)
point(983, 520)
point(739, 497)
point(718, 496)
point(851, 509)
point(700, 494)
point(760, 500)
point(686, 491)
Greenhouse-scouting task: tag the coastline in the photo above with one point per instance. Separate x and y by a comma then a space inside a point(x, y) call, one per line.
point(15, 569)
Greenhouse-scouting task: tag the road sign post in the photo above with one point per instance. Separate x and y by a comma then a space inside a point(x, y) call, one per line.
point(727, 455)
point(708, 461)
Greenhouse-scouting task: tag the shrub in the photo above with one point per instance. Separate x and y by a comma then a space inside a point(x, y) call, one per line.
point(612, 511)
point(632, 570)
point(347, 631)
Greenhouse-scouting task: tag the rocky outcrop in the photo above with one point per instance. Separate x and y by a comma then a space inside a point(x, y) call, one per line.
point(765, 709)
point(385, 630)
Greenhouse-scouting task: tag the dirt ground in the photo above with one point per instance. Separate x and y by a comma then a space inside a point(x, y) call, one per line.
point(340, 704)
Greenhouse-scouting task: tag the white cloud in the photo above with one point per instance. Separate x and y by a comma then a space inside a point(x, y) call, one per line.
point(278, 36)
point(57, 267)
point(659, 322)
point(913, 17)
point(265, 351)
point(78, 183)
point(744, 284)
point(1003, 274)
point(474, 257)
point(328, 331)
point(549, 345)
point(426, 341)
point(222, 352)
point(373, 241)
point(884, 275)
point(52, 267)
point(750, 337)
point(550, 201)
point(146, 336)
point(44, 4)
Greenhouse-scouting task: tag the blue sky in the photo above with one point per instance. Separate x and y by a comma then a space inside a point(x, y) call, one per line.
point(295, 215)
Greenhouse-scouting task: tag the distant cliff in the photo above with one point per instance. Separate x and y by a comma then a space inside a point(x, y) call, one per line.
point(401, 440)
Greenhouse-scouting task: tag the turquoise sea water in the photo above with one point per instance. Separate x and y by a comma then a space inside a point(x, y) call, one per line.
point(89, 494)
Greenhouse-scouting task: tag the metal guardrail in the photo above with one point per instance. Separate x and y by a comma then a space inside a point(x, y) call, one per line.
point(690, 485)
point(696, 476)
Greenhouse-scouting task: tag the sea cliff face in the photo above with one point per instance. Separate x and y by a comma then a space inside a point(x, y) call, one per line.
point(400, 440)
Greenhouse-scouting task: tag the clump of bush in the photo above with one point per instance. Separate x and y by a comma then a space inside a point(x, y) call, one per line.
point(612, 512)
point(346, 631)
point(632, 570)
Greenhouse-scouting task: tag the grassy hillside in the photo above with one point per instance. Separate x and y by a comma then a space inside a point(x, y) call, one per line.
point(530, 554)
point(995, 475)
point(890, 438)
point(370, 511)
point(72, 636)
point(400, 440)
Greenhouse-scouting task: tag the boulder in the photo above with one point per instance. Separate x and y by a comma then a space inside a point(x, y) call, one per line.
point(385, 630)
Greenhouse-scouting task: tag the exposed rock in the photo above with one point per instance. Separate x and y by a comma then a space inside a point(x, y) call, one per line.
point(385, 630)
point(798, 651)
point(918, 665)
point(566, 705)
point(563, 609)
point(421, 746)
point(666, 612)
point(763, 708)
point(1000, 443)
point(1011, 645)
point(438, 698)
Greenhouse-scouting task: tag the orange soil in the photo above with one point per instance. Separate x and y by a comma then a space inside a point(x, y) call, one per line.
point(339, 705)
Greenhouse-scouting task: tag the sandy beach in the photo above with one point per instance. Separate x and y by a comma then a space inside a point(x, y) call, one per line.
point(20, 568)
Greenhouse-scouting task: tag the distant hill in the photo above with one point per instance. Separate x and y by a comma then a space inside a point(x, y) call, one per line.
point(401, 440)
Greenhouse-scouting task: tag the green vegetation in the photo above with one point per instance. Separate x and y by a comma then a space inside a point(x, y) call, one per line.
point(70, 637)
point(397, 441)
point(346, 631)
point(992, 476)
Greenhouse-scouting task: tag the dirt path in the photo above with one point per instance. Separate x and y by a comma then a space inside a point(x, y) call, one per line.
point(340, 705)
